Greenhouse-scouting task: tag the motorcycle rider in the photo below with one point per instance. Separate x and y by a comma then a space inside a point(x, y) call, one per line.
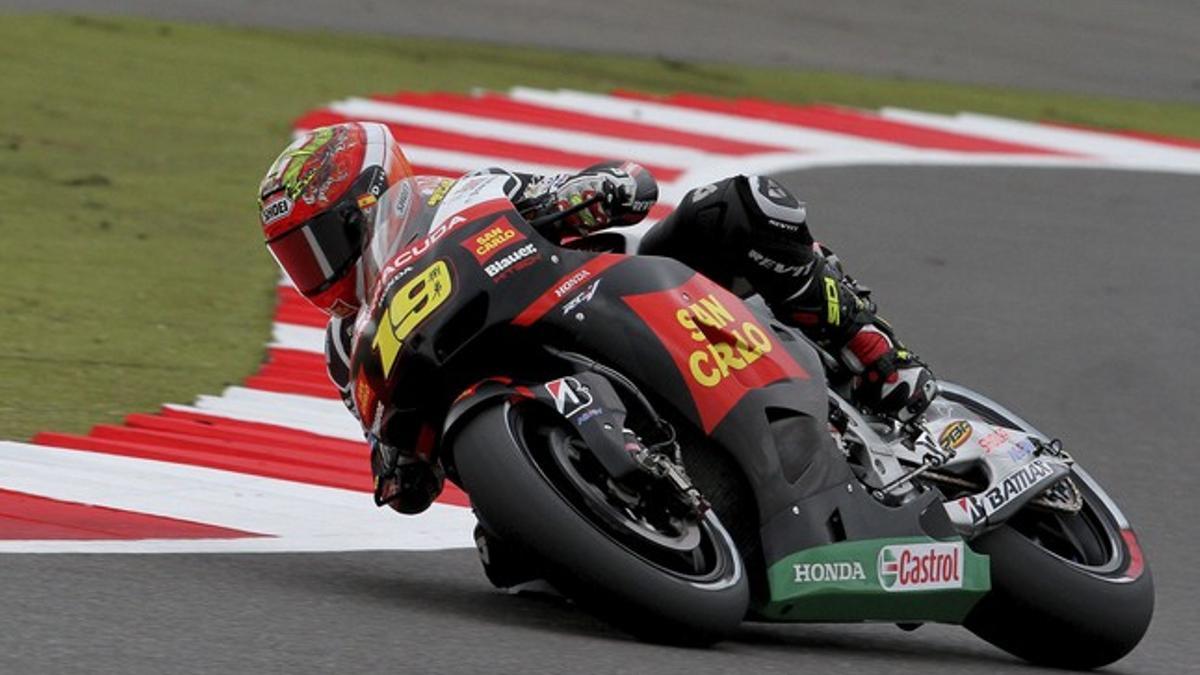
point(748, 233)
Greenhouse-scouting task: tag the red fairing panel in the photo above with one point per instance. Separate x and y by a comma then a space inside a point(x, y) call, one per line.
point(720, 349)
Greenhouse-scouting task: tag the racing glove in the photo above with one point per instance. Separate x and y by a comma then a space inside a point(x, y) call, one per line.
point(625, 192)
point(407, 484)
point(890, 379)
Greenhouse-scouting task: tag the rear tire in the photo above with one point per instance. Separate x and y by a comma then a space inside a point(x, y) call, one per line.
point(1069, 591)
point(519, 495)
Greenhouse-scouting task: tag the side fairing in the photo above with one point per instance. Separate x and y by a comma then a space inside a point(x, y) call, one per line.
point(756, 392)
point(680, 335)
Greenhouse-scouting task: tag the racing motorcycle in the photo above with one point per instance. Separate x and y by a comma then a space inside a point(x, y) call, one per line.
point(677, 461)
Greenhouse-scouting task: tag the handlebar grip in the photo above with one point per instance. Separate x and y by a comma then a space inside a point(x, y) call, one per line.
point(542, 221)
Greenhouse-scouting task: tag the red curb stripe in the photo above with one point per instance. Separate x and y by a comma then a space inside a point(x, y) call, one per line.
point(290, 386)
point(500, 107)
point(25, 516)
point(295, 309)
point(270, 435)
point(294, 358)
point(236, 459)
point(447, 140)
point(264, 437)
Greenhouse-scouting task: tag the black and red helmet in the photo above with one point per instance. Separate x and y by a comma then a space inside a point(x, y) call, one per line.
point(313, 202)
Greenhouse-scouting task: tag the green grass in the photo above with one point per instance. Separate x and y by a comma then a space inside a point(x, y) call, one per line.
point(130, 152)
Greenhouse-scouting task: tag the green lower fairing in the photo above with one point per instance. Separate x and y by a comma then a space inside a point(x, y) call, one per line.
point(845, 582)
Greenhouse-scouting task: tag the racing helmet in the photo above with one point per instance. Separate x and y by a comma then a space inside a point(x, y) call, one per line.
point(314, 204)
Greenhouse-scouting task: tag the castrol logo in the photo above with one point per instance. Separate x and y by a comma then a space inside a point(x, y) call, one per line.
point(921, 567)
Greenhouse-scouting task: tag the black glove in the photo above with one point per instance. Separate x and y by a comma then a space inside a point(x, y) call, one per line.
point(407, 484)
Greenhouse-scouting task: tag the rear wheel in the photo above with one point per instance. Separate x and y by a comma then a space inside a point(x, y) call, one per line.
point(624, 551)
point(1069, 590)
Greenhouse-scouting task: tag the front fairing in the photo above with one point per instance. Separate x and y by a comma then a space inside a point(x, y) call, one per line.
point(464, 288)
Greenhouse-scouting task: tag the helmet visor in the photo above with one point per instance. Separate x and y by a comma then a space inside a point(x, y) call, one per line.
point(318, 253)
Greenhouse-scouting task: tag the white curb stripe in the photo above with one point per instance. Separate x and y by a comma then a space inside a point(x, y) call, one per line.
point(300, 516)
point(662, 154)
point(707, 122)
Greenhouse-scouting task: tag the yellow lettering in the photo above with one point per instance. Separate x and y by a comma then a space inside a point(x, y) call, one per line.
point(685, 320)
point(723, 355)
point(754, 334)
point(723, 365)
point(702, 315)
point(725, 349)
point(748, 354)
point(696, 362)
point(439, 192)
point(409, 306)
point(721, 316)
point(386, 342)
point(833, 307)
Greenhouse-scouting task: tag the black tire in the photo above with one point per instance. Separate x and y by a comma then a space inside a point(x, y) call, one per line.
point(1051, 605)
point(520, 499)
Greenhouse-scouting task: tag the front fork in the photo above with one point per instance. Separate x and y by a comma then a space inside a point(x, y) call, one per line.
point(588, 401)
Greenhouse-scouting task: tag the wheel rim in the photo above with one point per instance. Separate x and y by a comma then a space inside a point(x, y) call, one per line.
point(1089, 540)
point(693, 549)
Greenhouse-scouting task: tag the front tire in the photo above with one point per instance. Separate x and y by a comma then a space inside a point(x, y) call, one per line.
point(1069, 591)
point(502, 459)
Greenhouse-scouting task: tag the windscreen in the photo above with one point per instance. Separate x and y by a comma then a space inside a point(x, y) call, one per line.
point(401, 215)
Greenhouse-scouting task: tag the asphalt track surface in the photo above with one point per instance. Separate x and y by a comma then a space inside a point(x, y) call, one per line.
point(1145, 49)
point(1069, 295)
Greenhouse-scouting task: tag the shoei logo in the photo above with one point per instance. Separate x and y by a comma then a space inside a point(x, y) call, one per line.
point(954, 435)
point(276, 210)
point(827, 572)
point(921, 567)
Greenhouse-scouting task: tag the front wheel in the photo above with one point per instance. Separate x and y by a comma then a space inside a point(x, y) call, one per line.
point(1068, 590)
point(648, 570)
